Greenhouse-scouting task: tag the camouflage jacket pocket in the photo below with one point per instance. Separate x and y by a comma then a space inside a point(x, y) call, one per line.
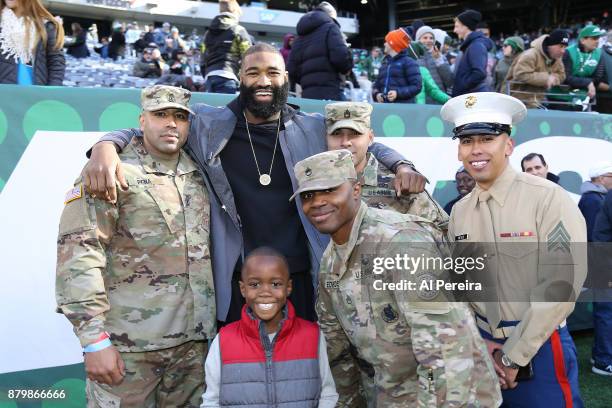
point(170, 206)
point(150, 215)
point(390, 323)
point(99, 397)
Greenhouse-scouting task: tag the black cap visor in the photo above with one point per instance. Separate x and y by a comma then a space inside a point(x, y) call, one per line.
point(481, 128)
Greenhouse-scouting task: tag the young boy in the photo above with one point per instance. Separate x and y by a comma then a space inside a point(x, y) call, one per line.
point(270, 356)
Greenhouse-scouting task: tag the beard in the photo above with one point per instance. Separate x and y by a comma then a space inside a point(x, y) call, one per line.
point(264, 110)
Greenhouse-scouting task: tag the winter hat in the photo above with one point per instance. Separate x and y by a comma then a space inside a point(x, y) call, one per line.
point(591, 31)
point(328, 8)
point(424, 30)
point(409, 30)
point(230, 6)
point(470, 18)
point(398, 40)
point(416, 24)
point(517, 44)
point(558, 36)
point(600, 168)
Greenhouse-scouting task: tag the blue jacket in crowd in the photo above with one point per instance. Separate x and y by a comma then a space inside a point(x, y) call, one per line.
point(471, 73)
point(400, 73)
point(602, 231)
point(590, 203)
point(319, 57)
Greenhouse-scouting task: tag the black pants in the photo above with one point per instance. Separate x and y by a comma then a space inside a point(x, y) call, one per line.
point(302, 298)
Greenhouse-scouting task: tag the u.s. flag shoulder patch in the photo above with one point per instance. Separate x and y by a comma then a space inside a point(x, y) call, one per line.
point(74, 193)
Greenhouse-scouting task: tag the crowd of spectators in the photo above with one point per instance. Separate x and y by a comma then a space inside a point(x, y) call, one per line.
point(554, 68)
point(567, 68)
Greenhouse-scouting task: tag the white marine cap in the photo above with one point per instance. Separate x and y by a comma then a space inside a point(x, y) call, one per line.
point(483, 113)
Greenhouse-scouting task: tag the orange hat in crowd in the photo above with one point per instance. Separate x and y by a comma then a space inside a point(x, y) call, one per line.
point(398, 40)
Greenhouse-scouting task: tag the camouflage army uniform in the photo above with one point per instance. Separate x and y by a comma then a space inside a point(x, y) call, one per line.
point(378, 192)
point(424, 354)
point(140, 270)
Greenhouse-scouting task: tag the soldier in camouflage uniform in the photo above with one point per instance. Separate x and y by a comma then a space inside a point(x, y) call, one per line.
point(425, 350)
point(134, 277)
point(348, 127)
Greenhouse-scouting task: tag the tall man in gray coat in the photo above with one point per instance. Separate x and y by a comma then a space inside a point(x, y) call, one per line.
point(247, 151)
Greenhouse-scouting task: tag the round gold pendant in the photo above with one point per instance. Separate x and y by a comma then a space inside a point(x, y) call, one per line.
point(265, 179)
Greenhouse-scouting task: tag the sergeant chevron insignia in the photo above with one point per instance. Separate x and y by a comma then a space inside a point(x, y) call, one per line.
point(558, 239)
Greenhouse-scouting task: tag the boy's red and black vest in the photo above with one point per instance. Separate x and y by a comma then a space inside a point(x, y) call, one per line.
point(257, 372)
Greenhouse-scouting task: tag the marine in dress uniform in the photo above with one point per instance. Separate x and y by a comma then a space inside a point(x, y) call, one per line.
point(424, 349)
point(135, 276)
point(533, 235)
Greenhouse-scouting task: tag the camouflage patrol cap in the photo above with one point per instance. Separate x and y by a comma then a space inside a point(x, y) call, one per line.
point(351, 115)
point(324, 170)
point(158, 97)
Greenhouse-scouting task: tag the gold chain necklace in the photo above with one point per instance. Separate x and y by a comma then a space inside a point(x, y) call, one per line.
point(264, 179)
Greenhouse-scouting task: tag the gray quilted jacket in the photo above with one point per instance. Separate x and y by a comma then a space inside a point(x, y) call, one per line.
point(49, 63)
point(441, 74)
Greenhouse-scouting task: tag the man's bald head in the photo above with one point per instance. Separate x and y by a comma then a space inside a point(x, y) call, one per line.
point(263, 48)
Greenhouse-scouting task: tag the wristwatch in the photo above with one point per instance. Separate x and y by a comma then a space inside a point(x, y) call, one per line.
point(400, 162)
point(508, 363)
